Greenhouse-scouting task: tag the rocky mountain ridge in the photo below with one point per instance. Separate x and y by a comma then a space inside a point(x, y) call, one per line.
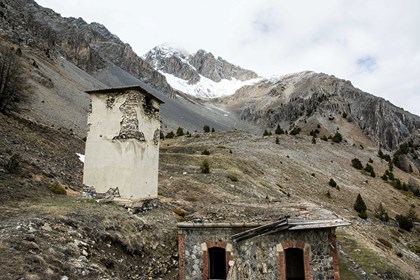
point(200, 74)
point(91, 47)
point(190, 66)
point(307, 98)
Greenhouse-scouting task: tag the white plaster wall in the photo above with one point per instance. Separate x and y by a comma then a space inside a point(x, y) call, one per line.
point(129, 164)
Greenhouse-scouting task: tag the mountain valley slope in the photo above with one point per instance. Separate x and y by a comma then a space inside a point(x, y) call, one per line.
point(85, 238)
point(44, 235)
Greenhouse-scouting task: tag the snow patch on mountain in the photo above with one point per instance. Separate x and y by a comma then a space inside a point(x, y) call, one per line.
point(207, 88)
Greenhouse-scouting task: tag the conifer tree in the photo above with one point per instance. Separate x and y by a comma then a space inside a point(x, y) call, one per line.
point(360, 205)
point(179, 132)
point(356, 163)
point(279, 130)
point(381, 213)
point(205, 167)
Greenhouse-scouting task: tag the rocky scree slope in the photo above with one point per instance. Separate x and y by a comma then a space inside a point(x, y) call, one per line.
point(89, 46)
point(200, 74)
point(305, 98)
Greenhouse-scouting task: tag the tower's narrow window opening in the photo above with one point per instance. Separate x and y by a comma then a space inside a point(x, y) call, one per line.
point(295, 269)
point(217, 263)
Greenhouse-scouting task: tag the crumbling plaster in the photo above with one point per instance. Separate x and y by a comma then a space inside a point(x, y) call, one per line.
point(121, 148)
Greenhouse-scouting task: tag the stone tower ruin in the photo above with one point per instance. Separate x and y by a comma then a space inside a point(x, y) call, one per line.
point(122, 146)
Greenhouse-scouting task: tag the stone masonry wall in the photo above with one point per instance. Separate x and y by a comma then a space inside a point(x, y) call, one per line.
point(261, 257)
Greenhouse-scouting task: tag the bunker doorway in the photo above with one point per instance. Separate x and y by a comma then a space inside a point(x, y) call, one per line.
point(294, 264)
point(217, 265)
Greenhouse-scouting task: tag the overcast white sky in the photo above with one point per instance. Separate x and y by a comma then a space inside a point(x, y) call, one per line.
point(373, 43)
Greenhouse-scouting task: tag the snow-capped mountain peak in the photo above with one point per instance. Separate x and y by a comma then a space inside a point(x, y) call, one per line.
point(200, 74)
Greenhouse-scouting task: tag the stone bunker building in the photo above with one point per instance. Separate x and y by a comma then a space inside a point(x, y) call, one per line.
point(285, 250)
point(122, 146)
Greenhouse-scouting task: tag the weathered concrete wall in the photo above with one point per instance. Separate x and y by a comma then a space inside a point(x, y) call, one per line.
point(122, 146)
point(261, 257)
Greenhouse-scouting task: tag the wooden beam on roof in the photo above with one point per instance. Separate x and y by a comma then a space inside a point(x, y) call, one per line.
point(301, 225)
point(279, 225)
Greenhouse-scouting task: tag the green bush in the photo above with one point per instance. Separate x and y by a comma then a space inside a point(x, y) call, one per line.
point(360, 205)
point(381, 155)
point(232, 177)
point(170, 135)
point(295, 131)
point(267, 133)
point(12, 165)
point(212, 129)
point(390, 175)
point(179, 132)
point(337, 138)
point(324, 138)
point(406, 222)
point(206, 128)
point(368, 168)
point(328, 194)
point(396, 183)
point(57, 188)
point(381, 213)
point(205, 167)
point(277, 140)
point(363, 215)
point(390, 166)
point(356, 163)
point(332, 183)
point(205, 152)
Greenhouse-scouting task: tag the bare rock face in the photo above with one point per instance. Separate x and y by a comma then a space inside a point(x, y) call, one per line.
point(171, 61)
point(189, 67)
point(296, 98)
point(89, 46)
point(218, 69)
point(386, 123)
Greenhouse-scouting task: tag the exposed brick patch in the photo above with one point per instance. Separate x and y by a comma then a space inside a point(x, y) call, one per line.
point(205, 256)
point(282, 266)
point(333, 240)
point(181, 253)
point(306, 258)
